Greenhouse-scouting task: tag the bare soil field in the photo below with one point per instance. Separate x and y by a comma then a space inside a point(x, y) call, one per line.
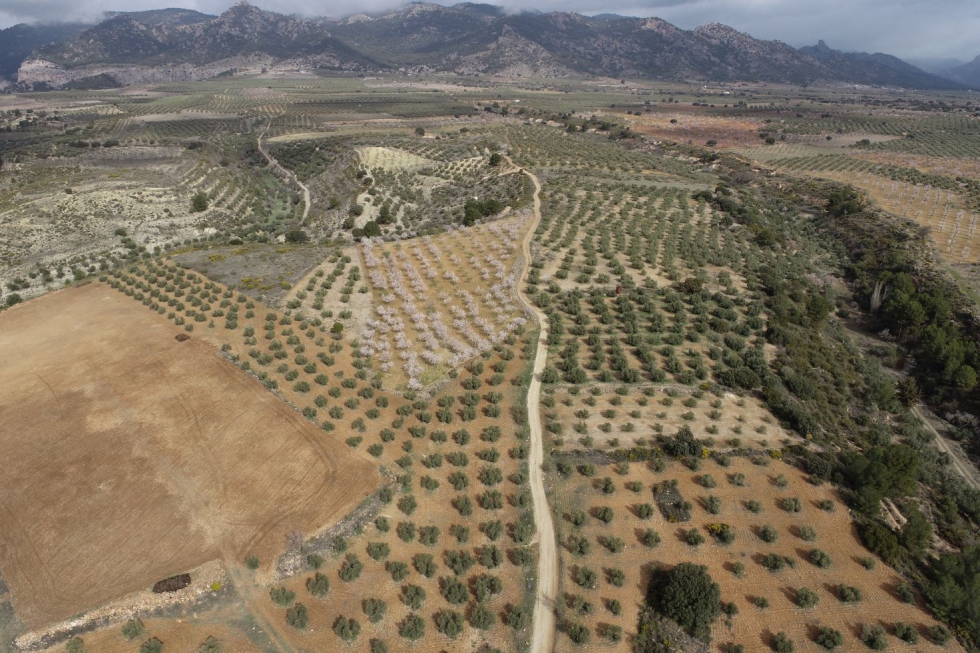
point(699, 128)
point(132, 456)
point(753, 627)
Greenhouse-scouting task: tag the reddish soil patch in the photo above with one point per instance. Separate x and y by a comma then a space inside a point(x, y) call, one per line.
point(131, 456)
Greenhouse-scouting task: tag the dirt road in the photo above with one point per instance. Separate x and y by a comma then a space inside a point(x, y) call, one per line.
point(962, 467)
point(543, 634)
point(282, 171)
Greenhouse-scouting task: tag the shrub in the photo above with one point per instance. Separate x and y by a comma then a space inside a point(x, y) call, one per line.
point(346, 629)
point(407, 504)
point(398, 570)
point(650, 538)
point(406, 531)
point(318, 585)
point(209, 645)
point(905, 593)
point(939, 634)
point(829, 638)
point(412, 627)
point(486, 586)
point(713, 505)
point(351, 568)
point(616, 577)
point(688, 595)
point(604, 514)
point(152, 645)
point(453, 590)
point(578, 633)
point(297, 616)
point(781, 643)
point(424, 564)
point(413, 596)
point(874, 637)
point(768, 534)
point(586, 577)
point(806, 598)
point(282, 596)
point(848, 594)
point(820, 558)
point(378, 550)
point(449, 623)
point(429, 535)
point(773, 562)
point(459, 561)
point(481, 618)
point(906, 633)
point(75, 645)
point(374, 609)
point(694, 537)
point(133, 629)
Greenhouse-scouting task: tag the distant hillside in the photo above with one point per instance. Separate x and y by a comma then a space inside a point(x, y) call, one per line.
point(876, 69)
point(178, 44)
point(968, 73)
point(19, 41)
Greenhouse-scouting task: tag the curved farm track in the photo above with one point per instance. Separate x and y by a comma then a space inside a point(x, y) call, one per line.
point(284, 172)
point(543, 633)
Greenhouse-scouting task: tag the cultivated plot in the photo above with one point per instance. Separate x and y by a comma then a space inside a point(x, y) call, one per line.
point(132, 456)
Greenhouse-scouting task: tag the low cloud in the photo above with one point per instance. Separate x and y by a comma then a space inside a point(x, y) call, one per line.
point(906, 28)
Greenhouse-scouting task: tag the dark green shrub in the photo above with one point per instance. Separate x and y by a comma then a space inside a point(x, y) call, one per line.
point(688, 595)
point(829, 638)
point(297, 616)
point(318, 585)
point(781, 643)
point(282, 596)
point(806, 598)
point(874, 637)
point(133, 629)
point(346, 629)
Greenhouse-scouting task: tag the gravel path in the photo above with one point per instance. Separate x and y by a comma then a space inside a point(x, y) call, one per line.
point(543, 635)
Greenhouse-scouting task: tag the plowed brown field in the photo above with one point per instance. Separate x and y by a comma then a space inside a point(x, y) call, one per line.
point(130, 456)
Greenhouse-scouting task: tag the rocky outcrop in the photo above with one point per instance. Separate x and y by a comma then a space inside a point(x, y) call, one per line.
point(37, 73)
point(513, 55)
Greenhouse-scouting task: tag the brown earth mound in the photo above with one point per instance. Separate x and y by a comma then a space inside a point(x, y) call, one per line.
point(172, 584)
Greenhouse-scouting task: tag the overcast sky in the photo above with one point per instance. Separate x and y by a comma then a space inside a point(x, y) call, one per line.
point(906, 28)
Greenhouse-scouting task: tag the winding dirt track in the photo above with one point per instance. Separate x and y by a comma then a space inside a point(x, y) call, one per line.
point(289, 174)
point(962, 467)
point(543, 634)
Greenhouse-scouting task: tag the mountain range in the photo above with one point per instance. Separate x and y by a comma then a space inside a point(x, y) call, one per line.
point(184, 45)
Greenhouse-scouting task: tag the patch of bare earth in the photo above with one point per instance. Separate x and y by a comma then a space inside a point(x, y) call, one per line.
point(132, 456)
